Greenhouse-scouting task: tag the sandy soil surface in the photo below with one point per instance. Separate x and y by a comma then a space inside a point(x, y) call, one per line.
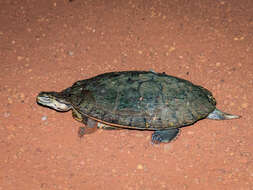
point(47, 45)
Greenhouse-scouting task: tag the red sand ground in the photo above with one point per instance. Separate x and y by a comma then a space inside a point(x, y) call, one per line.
point(48, 45)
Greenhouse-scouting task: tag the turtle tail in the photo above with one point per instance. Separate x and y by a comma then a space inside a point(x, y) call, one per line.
point(219, 115)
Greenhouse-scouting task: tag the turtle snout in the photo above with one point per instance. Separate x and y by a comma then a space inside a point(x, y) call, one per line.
point(43, 98)
point(51, 99)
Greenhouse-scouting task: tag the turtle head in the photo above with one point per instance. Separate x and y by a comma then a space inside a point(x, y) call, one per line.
point(54, 100)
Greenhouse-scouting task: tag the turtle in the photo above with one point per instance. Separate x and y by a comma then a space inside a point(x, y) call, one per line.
point(141, 100)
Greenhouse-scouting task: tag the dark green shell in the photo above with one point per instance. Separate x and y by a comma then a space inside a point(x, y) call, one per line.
point(140, 100)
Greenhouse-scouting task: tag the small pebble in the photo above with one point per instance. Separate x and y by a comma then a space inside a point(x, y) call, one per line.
point(140, 167)
point(22, 96)
point(44, 118)
point(10, 101)
point(7, 114)
point(70, 53)
point(171, 49)
point(244, 105)
point(217, 64)
point(190, 132)
point(19, 58)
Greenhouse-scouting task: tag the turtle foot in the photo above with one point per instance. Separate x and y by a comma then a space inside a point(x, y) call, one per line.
point(90, 127)
point(164, 136)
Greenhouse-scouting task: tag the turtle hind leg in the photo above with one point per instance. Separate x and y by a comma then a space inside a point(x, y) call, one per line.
point(219, 115)
point(90, 127)
point(164, 136)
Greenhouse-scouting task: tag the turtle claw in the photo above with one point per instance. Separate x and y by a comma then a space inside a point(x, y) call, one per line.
point(81, 132)
point(164, 136)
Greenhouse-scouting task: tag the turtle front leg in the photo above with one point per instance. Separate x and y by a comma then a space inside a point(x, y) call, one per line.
point(164, 136)
point(90, 126)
